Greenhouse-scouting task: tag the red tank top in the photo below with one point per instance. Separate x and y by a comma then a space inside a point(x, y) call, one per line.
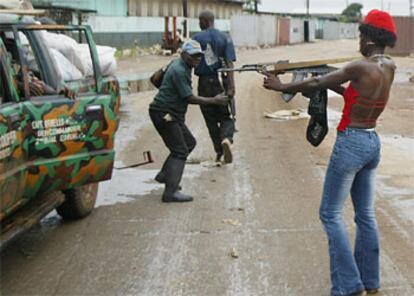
point(351, 97)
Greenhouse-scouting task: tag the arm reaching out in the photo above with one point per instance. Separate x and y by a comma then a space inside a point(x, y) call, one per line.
point(331, 81)
point(220, 99)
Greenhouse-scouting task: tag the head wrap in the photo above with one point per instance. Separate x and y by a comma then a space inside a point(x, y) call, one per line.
point(381, 20)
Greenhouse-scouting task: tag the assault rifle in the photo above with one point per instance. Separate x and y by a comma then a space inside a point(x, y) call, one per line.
point(318, 122)
point(225, 83)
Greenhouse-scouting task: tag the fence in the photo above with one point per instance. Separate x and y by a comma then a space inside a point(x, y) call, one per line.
point(261, 30)
point(405, 36)
point(254, 30)
point(337, 30)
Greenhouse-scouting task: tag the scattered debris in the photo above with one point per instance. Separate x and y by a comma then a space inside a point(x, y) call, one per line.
point(126, 52)
point(286, 114)
point(233, 222)
point(193, 161)
point(156, 50)
point(137, 51)
point(234, 253)
point(211, 164)
point(412, 78)
point(237, 209)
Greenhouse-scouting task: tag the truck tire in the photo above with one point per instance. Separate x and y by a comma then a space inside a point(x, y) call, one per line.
point(79, 202)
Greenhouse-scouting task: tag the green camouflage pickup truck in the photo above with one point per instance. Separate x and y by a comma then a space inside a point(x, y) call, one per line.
point(54, 148)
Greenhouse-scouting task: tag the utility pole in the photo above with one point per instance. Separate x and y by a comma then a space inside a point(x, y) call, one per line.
point(185, 14)
point(411, 8)
point(307, 8)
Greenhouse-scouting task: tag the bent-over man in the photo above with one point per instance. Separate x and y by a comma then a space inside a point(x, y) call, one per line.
point(167, 113)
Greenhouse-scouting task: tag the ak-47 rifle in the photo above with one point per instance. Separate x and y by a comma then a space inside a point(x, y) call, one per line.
point(225, 82)
point(318, 122)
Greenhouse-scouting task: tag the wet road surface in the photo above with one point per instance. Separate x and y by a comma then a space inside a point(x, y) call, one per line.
point(262, 209)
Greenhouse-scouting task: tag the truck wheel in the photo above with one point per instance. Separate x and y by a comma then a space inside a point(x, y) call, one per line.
point(79, 202)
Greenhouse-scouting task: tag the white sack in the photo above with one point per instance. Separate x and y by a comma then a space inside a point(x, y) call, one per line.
point(106, 56)
point(66, 69)
point(80, 56)
point(66, 46)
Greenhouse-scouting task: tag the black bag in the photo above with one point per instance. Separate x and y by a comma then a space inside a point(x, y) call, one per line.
point(318, 123)
point(158, 76)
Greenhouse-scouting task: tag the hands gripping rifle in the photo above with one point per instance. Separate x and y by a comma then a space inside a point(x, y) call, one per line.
point(225, 82)
point(318, 123)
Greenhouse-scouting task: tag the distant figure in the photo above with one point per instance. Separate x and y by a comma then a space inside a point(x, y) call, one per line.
point(355, 156)
point(167, 113)
point(218, 53)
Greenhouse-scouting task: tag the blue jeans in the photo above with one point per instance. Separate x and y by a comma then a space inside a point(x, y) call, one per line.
point(351, 169)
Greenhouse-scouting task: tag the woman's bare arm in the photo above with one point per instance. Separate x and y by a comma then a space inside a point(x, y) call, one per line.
point(332, 81)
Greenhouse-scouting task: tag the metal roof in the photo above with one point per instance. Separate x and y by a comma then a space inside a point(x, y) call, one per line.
point(13, 19)
point(61, 7)
point(241, 2)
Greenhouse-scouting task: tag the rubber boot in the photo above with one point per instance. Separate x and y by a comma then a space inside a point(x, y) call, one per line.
point(227, 151)
point(174, 169)
point(160, 177)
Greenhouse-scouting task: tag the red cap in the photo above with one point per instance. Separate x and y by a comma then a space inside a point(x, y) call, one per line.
point(381, 20)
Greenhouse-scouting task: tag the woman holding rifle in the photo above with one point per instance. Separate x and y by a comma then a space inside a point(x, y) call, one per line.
point(355, 155)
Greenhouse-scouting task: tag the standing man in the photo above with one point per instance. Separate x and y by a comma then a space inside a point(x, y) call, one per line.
point(218, 52)
point(167, 113)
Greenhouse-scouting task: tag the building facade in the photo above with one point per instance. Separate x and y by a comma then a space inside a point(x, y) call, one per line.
point(221, 9)
point(126, 23)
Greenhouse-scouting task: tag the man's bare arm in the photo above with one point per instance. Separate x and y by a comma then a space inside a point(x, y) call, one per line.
point(217, 100)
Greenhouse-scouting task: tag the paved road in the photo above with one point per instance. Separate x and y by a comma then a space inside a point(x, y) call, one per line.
point(262, 208)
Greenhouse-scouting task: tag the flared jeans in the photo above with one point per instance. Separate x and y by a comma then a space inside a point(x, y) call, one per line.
point(351, 171)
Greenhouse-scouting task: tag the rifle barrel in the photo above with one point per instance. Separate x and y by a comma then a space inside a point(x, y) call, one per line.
point(284, 66)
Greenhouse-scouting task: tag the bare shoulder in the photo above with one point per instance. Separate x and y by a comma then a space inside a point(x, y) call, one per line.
point(357, 67)
point(390, 62)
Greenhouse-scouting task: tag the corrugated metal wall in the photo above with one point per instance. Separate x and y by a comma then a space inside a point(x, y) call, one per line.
point(337, 30)
point(349, 31)
point(222, 10)
point(146, 24)
point(405, 36)
point(254, 30)
point(103, 7)
point(297, 30)
point(259, 30)
point(147, 31)
point(331, 30)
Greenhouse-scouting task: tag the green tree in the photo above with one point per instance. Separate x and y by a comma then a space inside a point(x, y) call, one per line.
point(352, 13)
point(251, 5)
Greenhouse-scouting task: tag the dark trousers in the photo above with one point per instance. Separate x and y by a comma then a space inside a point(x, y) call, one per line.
point(218, 118)
point(175, 134)
point(179, 140)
